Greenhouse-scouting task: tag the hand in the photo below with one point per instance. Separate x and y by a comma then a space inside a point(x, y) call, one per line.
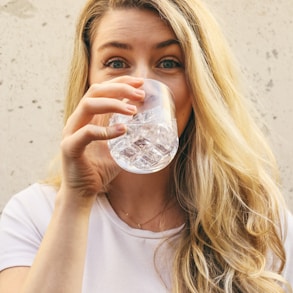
point(86, 162)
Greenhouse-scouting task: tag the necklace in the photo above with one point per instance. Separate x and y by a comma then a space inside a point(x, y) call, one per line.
point(140, 225)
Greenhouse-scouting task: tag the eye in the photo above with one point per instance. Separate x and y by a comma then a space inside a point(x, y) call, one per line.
point(116, 63)
point(169, 64)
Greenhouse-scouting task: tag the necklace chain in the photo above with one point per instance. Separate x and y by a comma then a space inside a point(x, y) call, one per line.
point(140, 225)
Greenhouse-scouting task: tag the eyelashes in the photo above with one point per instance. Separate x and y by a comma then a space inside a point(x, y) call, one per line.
point(167, 63)
point(116, 63)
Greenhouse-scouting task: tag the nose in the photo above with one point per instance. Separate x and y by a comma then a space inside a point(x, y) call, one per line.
point(142, 70)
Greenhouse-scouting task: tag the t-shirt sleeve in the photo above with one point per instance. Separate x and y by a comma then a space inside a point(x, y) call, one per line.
point(23, 223)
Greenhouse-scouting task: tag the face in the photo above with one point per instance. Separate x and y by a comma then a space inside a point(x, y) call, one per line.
point(138, 43)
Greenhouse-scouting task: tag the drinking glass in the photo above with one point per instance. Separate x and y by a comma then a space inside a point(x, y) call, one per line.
point(151, 140)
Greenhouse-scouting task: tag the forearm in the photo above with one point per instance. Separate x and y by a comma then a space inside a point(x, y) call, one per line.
point(59, 263)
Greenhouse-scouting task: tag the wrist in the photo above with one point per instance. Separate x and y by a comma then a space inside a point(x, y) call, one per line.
point(78, 201)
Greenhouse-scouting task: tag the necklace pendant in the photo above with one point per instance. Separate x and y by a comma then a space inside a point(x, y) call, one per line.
point(139, 226)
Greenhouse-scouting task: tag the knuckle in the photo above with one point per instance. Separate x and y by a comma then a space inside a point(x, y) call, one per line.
point(85, 104)
point(95, 132)
point(104, 133)
point(89, 131)
point(93, 89)
point(64, 144)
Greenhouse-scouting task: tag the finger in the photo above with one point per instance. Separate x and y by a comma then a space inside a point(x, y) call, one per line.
point(118, 91)
point(102, 99)
point(130, 80)
point(89, 107)
point(74, 145)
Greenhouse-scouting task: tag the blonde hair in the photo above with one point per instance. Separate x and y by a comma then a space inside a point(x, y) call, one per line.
point(224, 172)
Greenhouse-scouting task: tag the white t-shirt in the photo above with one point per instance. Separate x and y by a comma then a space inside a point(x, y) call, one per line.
point(119, 258)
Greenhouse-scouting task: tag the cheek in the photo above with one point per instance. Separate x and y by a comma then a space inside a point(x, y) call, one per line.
point(94, 75)
point(183, 110)
point(183, 101)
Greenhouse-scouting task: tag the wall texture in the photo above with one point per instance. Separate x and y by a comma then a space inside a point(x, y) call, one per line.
point(35, 47)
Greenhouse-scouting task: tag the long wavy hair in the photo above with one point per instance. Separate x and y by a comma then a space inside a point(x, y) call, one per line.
point(224, 173)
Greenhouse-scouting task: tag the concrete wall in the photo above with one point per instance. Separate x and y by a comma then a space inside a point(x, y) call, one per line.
point(35, 46)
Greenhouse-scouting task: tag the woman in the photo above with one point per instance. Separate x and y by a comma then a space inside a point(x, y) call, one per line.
point(212, 221)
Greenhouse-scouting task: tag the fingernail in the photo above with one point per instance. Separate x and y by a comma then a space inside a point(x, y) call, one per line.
point(139, 92)
point(131, 108)
point(120, 128)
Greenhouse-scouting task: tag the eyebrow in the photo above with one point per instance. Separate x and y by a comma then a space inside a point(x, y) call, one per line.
point(125, 46)
point(167, 43)
point(115, 44)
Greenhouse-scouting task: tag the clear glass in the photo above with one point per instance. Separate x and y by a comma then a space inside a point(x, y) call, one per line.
point(151, 140)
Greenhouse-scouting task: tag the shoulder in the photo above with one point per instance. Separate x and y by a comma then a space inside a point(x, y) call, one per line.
point(36, 195)
point(23, 224)
point(32, 206)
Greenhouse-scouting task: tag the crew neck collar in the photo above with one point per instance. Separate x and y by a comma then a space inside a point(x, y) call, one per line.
point(106, 207)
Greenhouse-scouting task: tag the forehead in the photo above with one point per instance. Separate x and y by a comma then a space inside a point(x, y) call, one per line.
point(131, 24)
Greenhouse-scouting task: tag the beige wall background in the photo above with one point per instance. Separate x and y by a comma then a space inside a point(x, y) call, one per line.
point(35, 47)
